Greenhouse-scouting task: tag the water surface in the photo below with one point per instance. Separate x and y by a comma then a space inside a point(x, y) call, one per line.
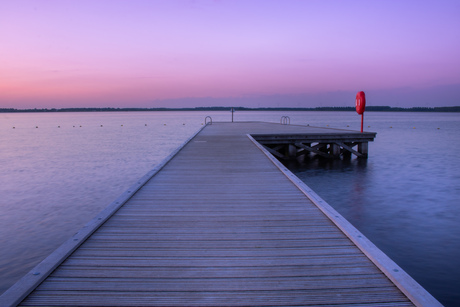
point(405, 197)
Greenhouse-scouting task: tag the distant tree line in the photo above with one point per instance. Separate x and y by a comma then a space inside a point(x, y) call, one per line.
point(368, 108)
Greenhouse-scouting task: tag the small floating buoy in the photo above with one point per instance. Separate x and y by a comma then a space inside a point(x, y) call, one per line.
point(348, 125)
point(368, 126)
point(36, 126)
point(183, 124)
point(164, 124)
point(80, 126)
point(74, 126)
point(59, 126)
point(202, 124)
point(308, 124)
point(122, 125)
point(327, 125)
point(15, 128)
point(413, 128)
point(101, 125)
point(438, 128)
point(146, 124)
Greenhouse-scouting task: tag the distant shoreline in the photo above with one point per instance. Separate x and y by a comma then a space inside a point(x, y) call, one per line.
point(368, 108)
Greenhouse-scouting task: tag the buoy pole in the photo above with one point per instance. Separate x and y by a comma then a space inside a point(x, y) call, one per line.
point(362, 122)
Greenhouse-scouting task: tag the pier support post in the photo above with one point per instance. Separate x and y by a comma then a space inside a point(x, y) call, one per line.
point(363, 148)
point(292, 151)
point(346, 154)
point(335, 150)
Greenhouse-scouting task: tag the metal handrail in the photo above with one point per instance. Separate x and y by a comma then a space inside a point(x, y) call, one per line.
point(285, 120)
point(210, 120)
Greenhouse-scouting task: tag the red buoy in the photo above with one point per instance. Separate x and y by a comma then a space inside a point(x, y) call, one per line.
point(360, 106)
point(360, 102)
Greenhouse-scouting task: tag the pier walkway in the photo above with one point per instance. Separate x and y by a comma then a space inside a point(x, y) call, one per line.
point(221, 223)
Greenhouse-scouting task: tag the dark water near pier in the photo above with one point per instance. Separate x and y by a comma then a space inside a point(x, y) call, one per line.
point(405, 197)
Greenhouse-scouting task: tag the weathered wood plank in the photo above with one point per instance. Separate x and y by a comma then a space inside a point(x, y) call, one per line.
point(214, 272)
point(217, 244)
point(144, 252)
point(147, 228)
point(213, 284)
point(366, 297)
point(209, 239)
point(214, 261)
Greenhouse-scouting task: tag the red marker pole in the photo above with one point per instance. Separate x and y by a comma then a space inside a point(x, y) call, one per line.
point(360, 106)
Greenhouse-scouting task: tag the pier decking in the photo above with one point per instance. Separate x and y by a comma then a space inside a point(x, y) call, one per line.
point(221, 223)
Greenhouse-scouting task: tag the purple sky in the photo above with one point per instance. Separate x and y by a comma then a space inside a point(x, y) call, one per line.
point(110, 53)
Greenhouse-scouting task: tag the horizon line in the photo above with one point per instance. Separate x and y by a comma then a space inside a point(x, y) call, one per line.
point(219, 108)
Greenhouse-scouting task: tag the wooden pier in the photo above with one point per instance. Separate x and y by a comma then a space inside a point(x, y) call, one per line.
point(223, 223)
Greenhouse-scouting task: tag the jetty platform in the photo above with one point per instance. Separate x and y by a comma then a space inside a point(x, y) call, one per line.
point(221, 222)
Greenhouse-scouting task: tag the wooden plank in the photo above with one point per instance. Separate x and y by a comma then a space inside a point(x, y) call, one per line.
point(211, 272)
point(212, 284)
point(165, 222)
point(215, 261)
point(209, 236)
point(162, 253)
point(147, 228)
point(365, 297)
point(209, 244)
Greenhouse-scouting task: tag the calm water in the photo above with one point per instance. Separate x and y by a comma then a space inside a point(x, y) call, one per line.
point(405, 197)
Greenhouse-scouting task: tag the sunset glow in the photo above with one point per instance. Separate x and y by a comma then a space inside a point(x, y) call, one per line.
point(57, 54)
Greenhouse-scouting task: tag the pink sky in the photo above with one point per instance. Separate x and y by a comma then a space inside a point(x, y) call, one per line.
point(110, 53)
